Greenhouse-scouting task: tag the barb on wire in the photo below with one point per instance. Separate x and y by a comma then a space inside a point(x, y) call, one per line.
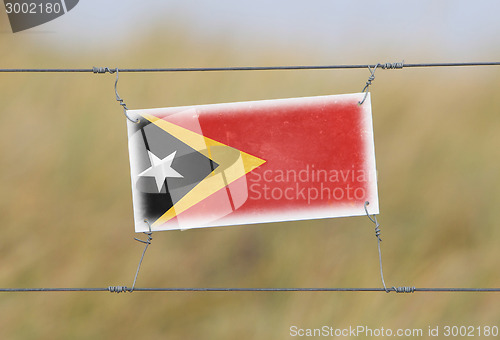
point(117, 289)
point(392, 66)
point(102, 70)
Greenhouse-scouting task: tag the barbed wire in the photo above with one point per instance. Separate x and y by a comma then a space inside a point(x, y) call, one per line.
point(371, 67)
point(398, 65)
point(120, 289)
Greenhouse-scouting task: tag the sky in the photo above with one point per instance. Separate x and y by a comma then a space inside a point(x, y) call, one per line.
point(427, 30)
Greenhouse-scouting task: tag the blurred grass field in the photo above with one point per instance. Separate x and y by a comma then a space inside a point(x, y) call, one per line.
point(66, 210)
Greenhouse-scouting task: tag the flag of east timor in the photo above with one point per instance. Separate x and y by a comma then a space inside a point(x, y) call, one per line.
point(252, 162)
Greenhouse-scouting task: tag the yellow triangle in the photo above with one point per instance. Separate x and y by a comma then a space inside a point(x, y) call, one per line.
point(227, 172)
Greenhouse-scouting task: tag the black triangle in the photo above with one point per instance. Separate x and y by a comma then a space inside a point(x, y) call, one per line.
point(191, 164)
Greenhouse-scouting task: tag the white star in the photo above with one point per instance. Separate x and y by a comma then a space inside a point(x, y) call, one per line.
point(161, 169)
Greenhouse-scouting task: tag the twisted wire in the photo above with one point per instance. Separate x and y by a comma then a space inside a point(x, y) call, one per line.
point(250, 68)
point(102, 70)
point(404, 289)
point(147, 243)
point(118, 99)
point(377, 234)
point(392, 66)
point(368, 83)
point(117, 289)
point(379, 239)
point(120, 289)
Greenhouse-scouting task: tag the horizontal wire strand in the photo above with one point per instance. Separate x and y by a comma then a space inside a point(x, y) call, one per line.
point(125, 289)
point(249, 68)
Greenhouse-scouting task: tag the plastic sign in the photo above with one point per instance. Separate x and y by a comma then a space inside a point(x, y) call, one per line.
point(252, 162)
